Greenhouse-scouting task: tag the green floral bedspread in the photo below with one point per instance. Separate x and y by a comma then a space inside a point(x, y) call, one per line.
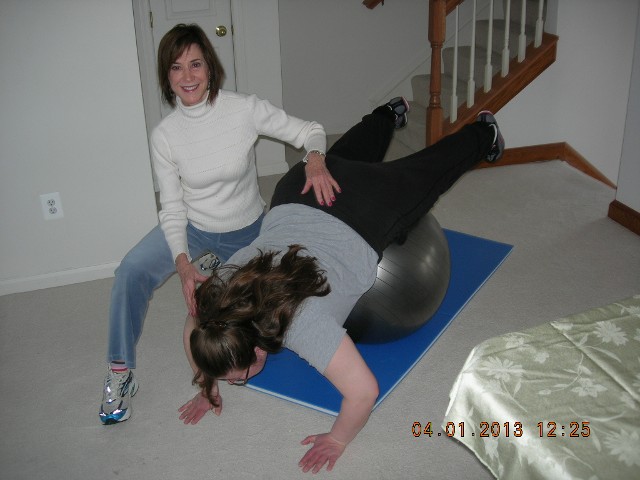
point(558, 401)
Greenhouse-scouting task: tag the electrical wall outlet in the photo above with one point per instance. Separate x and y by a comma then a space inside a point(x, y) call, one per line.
point(51, 206)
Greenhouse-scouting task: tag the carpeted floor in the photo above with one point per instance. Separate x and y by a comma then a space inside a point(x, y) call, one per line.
point(567, 257)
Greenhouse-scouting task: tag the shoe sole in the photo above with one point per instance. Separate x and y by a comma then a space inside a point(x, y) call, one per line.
point(486, 116)
point(402, 119)
point(112, 419)
point(405, 102)
point(406, 105)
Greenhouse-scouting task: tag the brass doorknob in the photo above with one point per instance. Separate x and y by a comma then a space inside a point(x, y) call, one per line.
point(221, 31)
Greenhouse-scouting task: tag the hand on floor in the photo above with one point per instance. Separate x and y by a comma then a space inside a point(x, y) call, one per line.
point(198, 406)
point(325, 449)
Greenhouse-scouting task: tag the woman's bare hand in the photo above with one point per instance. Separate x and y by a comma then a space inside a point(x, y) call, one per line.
point(319, 178)
point(190, 278)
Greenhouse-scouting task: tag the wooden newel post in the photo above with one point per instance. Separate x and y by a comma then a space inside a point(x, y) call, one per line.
point(437, 31)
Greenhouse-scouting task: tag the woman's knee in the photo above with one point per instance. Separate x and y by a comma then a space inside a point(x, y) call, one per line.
point(132, 270)
point(139, 268)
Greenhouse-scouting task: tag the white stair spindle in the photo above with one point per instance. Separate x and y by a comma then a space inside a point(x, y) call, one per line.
point(454, 88)
point(505, 50)
point(522, 43)
point(539, 24)
point(471, 83)
point(488, 69)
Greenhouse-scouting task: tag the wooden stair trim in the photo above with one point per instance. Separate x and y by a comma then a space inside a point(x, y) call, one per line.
point(371, 4)
point(450, 4)
point(573, 158)
point(521, 74)
point(625, 216)
point(546, 152)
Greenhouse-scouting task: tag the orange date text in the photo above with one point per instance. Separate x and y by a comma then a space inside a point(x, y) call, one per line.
point(458, 430)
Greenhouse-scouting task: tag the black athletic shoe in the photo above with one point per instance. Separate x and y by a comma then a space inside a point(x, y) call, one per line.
point(399, 106)
point(497, 148)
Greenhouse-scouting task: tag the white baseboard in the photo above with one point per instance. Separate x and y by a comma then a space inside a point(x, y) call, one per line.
point(57, 279)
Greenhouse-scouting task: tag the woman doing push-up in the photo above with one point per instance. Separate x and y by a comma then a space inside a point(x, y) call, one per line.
point(296, 283)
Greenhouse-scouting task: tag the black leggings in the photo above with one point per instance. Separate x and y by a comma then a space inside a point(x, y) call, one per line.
point(383, 200)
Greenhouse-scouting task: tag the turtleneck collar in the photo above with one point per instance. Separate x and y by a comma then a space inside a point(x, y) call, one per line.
point(194, 111)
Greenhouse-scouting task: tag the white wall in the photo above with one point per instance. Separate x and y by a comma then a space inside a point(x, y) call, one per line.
point(72, 118)
point(629, 178)
point(72, 122)
point(258, 70)
point(582, 98)
point(336, 55)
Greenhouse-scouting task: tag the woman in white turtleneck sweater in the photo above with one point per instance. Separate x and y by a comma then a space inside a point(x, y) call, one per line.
point(204, 160)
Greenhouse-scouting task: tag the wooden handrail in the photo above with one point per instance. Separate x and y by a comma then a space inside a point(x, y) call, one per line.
point(452, 4)
point(372, 3)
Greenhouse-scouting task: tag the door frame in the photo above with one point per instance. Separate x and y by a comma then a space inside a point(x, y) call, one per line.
point(256, 54)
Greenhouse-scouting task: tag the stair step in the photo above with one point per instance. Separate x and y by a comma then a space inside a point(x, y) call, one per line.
point(414, 135)
point(531, 13)
point(464, 52)
point(497, 39)
point(464, 59)
point(420, 83)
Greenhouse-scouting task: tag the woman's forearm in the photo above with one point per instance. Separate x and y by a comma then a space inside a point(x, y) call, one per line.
point(348, 372)
point(353, 416)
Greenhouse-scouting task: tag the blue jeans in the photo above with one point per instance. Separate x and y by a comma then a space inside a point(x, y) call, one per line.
point(147, 266)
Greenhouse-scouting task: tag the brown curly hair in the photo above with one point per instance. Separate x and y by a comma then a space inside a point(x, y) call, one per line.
point(243, 307)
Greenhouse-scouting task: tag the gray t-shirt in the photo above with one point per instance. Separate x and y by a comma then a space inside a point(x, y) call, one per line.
point(350, 266)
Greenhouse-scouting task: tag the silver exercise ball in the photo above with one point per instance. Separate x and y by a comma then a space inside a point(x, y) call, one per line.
point(411, 282)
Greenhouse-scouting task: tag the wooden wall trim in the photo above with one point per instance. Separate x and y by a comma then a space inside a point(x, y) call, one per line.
point(370, 4)
point(576, 160)
point(549, 151)
point(625, 216)
point(619, 212)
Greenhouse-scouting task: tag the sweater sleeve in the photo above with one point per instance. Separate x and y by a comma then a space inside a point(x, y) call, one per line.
point(276, 123)
point(173, 212)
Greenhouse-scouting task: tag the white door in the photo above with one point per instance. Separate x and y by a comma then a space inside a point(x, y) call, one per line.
point(214, 16)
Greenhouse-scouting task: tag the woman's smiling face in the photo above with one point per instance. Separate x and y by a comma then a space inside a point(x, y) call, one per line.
point(189, 76)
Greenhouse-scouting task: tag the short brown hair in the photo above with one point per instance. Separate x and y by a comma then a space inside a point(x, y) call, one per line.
point(173, 44)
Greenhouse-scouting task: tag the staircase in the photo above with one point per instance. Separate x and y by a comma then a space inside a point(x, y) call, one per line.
point(484, 78)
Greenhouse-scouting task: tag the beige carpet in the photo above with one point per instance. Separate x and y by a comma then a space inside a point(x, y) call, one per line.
point(568, 257)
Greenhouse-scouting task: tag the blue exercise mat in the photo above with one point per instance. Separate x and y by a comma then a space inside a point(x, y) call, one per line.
point(473, 261)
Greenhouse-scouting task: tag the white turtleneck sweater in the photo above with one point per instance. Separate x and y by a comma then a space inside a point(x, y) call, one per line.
point(204, 160)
